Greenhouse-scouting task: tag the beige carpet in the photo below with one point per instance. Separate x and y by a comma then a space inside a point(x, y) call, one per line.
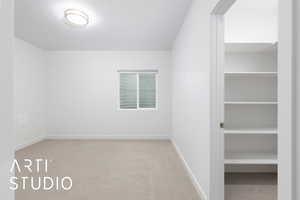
point(251, 186)
point(111, 170)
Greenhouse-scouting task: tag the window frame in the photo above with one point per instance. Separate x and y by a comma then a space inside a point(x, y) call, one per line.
point(137, 72)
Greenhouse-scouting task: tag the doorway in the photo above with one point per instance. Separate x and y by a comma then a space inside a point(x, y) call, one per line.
point(256, 129)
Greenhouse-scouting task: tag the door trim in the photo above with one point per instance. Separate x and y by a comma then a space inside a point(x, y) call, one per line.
point(217, 99)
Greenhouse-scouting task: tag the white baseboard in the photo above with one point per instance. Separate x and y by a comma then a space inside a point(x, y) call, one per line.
point(92, 137)
point(29, 143)
point(190, 173)
point(108, 137)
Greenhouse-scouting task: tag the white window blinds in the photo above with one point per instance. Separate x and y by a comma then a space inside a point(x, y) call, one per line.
point(147, 90)
point(128, 91)
point(138, 90)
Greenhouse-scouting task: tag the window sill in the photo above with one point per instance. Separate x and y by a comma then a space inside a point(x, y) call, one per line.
point(139, 109)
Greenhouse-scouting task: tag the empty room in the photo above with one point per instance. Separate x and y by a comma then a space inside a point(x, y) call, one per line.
point(149, 100)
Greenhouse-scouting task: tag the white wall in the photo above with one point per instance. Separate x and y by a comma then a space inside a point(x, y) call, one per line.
point(29, 93)
point(190, 93)
point(6, 88)
point(297, 120)
point(245, 16)
point(82, 95)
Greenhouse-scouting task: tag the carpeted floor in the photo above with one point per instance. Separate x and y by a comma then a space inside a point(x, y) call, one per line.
point(110, 170)
point(251, 186)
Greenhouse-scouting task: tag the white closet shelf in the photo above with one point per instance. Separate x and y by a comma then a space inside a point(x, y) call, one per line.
point(251, 159)
point(250, 102)
point(238, 47)
point(250, 73)
point(251, 131)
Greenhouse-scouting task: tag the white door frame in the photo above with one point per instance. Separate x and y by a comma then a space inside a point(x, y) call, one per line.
point(217, 100)
point(285, 101)
point(285, 80)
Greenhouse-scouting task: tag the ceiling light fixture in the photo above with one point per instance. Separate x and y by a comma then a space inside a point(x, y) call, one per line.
point(76, 17)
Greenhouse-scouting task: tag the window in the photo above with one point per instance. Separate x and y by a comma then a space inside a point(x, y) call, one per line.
point(138, 90)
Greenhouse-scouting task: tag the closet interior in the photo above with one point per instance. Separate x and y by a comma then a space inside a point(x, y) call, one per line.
point(250, 112)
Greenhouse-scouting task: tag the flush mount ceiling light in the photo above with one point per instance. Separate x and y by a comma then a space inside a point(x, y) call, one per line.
point(76, 17)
